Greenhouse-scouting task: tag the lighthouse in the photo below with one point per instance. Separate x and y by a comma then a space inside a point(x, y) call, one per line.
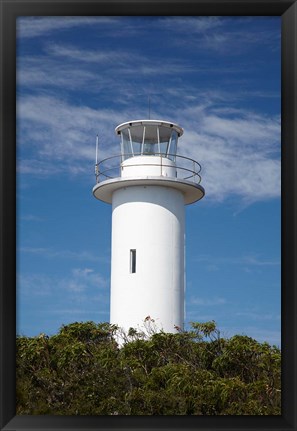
point(148, 185)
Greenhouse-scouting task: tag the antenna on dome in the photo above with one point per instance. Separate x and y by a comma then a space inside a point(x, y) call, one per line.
point(96, 159)
point(97, 143)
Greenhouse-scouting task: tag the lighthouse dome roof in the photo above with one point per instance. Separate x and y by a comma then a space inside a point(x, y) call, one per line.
point(149, 123)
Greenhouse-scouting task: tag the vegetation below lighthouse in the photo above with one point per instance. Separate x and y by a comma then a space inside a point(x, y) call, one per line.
point(82, 371)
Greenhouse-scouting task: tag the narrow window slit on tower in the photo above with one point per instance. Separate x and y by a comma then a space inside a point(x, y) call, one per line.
point(132, 261)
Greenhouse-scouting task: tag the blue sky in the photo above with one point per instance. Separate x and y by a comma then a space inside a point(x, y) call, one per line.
point(219, 79)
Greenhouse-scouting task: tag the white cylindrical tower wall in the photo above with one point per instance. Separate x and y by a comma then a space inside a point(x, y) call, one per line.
point(148, 227)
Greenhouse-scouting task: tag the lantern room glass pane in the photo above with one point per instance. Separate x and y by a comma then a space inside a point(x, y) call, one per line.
point(164, 147)
point(172, 145)
point(164, 134)
point(137, 137)
point(150, 143)
point(127, 149)
point(136, 148)
point(149, 149)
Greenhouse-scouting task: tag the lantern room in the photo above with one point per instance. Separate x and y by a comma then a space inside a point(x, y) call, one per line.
point(149, 138)
point(148, 157)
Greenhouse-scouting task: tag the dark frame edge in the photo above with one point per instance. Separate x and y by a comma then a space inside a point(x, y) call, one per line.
point(289, 211)
point(288, 421)
point(7, 222)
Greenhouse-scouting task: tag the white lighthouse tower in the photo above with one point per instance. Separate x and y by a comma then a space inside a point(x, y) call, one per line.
point(148, 185)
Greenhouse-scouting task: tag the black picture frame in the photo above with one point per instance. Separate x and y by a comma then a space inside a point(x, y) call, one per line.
point(10, 10)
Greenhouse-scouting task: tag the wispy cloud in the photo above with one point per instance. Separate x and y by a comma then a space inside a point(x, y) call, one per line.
point(42, 72)
point(195, 25)
point(214, 33)
point(31, 218)
point(116, 58)
point(34, 285)
point(80, 293)
point(62, 254)
point(237, 260)
point(62, 135)
point(239, 150)
point(72, 67)
point(81, 280)
point(253, 315)
point(77, 313)
point(41, 26)
point(77, 286)
point(37, 167)
point(207, 302)
point(233, 43)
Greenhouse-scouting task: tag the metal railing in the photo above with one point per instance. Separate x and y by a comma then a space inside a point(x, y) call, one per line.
point(186, 168)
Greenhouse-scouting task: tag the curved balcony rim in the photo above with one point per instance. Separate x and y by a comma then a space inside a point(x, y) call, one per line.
point(190, 172)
